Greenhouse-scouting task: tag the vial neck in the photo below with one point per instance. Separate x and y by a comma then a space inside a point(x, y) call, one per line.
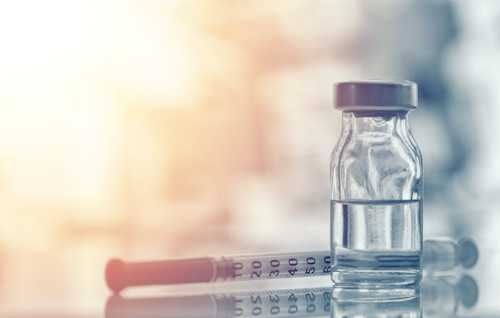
point(377, 123)
point(376, 159)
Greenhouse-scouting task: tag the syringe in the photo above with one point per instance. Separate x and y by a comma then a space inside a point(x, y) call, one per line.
point(438, 255)
point(217, 269)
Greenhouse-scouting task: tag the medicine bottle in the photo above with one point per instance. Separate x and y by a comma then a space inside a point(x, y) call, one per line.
point(445, 255)
point(377, 186)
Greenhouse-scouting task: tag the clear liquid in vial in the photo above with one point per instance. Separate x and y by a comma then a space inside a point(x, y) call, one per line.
point(376, 242)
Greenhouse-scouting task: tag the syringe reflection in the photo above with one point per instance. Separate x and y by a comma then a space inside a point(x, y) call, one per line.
point(436, 295)
point(307, 302)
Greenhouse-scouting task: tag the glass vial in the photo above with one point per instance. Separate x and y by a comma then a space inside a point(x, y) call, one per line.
point(377, 179)
point(444, 255)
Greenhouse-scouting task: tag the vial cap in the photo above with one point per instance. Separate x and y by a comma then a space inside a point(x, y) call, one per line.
point(375, 95)
point(468, 252)
point(468, 291)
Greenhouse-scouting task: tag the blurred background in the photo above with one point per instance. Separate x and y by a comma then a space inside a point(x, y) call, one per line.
point(167, 128)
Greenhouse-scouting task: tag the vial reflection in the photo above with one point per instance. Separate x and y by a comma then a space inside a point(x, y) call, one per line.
point(446, 294)
point(353, 302)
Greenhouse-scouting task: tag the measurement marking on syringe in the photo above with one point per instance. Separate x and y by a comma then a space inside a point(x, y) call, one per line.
point(313, 264)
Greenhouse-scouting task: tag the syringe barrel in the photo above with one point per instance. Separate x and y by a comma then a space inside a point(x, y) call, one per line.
point(120, 275)
point(273, 265)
